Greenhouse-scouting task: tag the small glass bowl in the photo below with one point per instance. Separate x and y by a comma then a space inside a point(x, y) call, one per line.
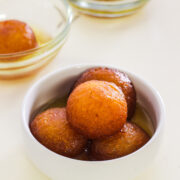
point(108, 8)
point(50, 21)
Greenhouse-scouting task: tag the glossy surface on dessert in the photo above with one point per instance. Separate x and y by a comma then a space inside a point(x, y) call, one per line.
point(127, 140)
point(112, 75)
point(97, 109)
point(16, 36)
point(52, 129)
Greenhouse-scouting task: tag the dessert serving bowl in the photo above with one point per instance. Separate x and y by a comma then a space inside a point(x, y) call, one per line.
point(50, 21)
point(55, 166)
point(108, 8)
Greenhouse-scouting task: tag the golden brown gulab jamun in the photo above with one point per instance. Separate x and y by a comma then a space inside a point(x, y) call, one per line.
point(97, 109)
point(127, 140)
point(52, 129)
point(16, 36)
point(113, 75)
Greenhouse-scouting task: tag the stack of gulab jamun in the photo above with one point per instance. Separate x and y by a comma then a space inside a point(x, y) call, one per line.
point(96, 122)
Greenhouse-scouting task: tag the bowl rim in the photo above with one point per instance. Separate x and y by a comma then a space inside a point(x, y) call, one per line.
point(110, 3)
point(50, 44)
point(157, 131)
point(108, 9)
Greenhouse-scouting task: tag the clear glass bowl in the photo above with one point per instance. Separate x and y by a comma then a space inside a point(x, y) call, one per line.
point(50, 21)
point(108, 8)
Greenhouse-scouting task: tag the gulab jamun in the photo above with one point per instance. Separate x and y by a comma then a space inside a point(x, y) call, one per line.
point(16, 36)
point(52, 129)
point(127, 140)
point(97, 109)
point(113, 75)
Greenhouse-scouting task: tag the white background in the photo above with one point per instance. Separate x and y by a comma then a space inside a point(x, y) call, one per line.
point(147, 43)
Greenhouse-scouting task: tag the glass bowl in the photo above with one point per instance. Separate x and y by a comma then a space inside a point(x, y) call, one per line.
point(108, 8)
point(50, 21)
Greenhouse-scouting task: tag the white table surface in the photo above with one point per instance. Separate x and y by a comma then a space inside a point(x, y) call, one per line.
point(147, 43)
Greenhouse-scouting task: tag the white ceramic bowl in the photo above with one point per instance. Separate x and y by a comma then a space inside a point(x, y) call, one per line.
point(59, 167)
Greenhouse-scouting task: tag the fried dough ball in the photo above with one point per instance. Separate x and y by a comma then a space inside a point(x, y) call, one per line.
point(97, 109)
point(119, 78)
point(127, 140)
point(52, 129)
point(16, 36)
